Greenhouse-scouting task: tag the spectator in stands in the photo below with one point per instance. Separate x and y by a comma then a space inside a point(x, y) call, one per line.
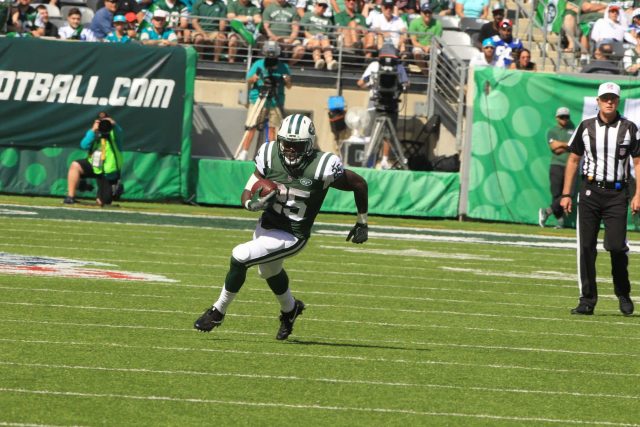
point(22, 17)
point(282, 24)
point(441, 7)
point(488, 57)
point(634, 27)
point(125, 6)
point(209, 26)
point(177, 20)
point(389, 27)
point(315, 39)
point(507, 47)
point(472, 9)
point(304, 6)
point(74, 30)
point(44, 28)
point(353, 27)
point(268, 77)
point(523, 61)
point(631, 60)
point(159, 34)
point(243, 18)
point(102, 23)
point(104, 162)
point(588, 13)
point(602, 63)
point(492, 28)
point(132, 26)
point(557, 138)
point(119, 34)
point(422, 31)
point(5, 9)
point(388, 58)
point(407, 10)
point(608, 28)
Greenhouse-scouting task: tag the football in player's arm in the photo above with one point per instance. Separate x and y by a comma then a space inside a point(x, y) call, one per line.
point(303, 176)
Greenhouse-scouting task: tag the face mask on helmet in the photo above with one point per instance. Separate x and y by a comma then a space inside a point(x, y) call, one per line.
point(296, 137)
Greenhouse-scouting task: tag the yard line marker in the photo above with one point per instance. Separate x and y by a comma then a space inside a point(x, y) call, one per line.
point(322, 380)
point(7, 423)
point(307, 406)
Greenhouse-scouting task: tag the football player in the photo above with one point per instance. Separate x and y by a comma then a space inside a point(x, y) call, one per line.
point(303, 176)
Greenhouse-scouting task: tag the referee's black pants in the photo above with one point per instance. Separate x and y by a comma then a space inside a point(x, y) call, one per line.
point(596, 205)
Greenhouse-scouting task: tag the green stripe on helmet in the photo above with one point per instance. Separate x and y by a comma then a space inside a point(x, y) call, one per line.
point(299, 123)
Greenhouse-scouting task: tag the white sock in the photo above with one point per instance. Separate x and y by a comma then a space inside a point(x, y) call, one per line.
point(287, 303)
point(243, 155)
point(224, 300)
point(385, 159)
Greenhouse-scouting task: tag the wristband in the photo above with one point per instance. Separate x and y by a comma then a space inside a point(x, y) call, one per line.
point(246, 204)
point(362, 218)
point(565, 195)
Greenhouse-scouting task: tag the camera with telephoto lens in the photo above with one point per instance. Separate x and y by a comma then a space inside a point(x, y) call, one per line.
point(386, 83)
point(104, 127)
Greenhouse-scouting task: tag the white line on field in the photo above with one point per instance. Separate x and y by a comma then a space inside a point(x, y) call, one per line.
point(330, 357)
point(307, 406)
point(7, 423)
point(322, 380)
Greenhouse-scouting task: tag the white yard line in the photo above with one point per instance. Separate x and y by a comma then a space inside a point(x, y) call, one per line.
point(280, 405)
point(322, 380)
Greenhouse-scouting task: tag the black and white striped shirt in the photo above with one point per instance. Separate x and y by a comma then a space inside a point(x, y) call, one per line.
point(606, 147)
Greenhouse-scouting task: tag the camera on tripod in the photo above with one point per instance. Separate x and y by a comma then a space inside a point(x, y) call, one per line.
point(386, 85)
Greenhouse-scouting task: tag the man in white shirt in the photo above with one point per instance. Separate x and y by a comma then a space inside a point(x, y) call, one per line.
point(390, 27)
point(488, 57)
point(74, 30)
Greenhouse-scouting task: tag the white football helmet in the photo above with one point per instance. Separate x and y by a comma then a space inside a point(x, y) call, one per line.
point(296, 138)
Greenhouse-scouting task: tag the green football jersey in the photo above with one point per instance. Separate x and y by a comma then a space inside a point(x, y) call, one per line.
point(301, 196)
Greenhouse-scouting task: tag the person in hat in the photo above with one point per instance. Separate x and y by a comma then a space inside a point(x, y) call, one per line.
point(244, 18)
point(609, 28)
point(422, 30)
point(492, 28)
point(159, 34)
point(602, 148)
point(389, 27)
point(102, 22)
point(281, 23)
point(104, 161)
point(316, 39)
point(387, 59)
point(557, 140)
point(507, 46)
point(74, 30)
point(119, 34)
point(212, 29)
point(177, 17)
point(472, 9)
point(132, 25)
point(488, 57)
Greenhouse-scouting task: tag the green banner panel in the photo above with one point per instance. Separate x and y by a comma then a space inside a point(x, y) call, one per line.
point(403, 193)
point(146, 176)
point(512, 112)
point(50, 92)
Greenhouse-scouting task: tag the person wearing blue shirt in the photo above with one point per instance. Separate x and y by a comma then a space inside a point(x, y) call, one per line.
point(472, 8)
point(102, 23)
point(506, 45)
point(119, 35)
point(267, 73)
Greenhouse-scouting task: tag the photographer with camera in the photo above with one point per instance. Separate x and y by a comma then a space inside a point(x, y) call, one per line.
point(268, 78)
point(103, 162)
point(386, 78)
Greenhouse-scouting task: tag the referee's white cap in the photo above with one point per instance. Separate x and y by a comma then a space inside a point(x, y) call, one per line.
point(608, 87)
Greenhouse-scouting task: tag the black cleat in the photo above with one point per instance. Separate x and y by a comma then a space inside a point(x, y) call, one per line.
point(69, 200)
point(583, 309)
point(626, 305)
point(287, 320)
point(210, 319)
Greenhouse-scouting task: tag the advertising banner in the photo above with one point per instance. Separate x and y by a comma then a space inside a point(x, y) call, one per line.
point(510, 155)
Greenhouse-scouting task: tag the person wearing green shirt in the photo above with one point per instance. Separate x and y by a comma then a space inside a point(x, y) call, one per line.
point(315, 37)
point(281, 23)
point(422, 30)
point(248, 16)
point(353, 26)
point(557, 138)
point(209, 31)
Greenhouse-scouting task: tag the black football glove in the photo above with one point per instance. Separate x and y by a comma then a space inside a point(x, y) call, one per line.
point(359, 233)
point(258, 203)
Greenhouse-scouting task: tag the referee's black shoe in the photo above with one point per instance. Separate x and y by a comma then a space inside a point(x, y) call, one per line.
point(626, 305)
point(584, 309)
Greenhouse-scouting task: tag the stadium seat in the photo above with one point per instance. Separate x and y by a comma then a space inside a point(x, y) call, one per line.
point(74, 2)
point(449, 22)
point(455, 38)
point(93, 4)
point(87, 14)
point(472, 25)
point(53, 10)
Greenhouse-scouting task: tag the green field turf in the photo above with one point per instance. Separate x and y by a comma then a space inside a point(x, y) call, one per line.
point(428, 323)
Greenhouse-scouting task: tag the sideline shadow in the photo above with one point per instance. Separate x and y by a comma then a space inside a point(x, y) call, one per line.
point(335, 344)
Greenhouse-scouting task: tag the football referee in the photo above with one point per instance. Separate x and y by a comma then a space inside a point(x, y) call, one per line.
point(606, 142)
